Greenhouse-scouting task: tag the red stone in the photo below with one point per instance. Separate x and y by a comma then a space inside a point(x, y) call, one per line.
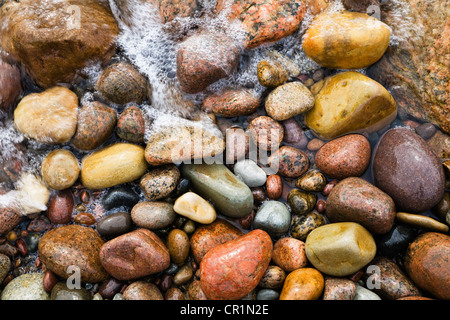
point(233, 269)
point(60, 207)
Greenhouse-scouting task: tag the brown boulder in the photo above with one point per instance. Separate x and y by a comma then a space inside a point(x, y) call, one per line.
point(55, 39)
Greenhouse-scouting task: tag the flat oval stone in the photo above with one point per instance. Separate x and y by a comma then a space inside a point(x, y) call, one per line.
point(194, 207)
point(346, 40)
point(134, 255)
point(114, 224)
point(215, 182)
point(273, 217)
point(289, 254)
point(233, 269)
point(153, 214)
point(211, 235)
point(160, 182)
point(96, 123)
point(427, 264)
point(356, 200)
point(340, 249)
point(289, 100)
point(178, 245)
point(73, 245)
point(113, 165)
point(343, 157)
point(350, 102)
point(405, 167)
point(421, 221)
point(250, 173)
point(121, 196)
point(231, 103)
point(27, 286)
point(303, 284)
point(60, 207)
point(391, 282)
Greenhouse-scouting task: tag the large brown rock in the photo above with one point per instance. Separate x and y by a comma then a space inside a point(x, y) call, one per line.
point(55, 39)
point(416, 70)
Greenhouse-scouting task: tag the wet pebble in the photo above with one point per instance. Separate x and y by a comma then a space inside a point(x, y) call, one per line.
point(142, 290)
point(233, 269)
point(178, 245)
point(5, 265)
point(421, 221)
point(153, 215)
point(131, 125)
point(273, 277)
point(267, 294)
point(183, 275)
point(160, 182)
point(266, 133)
point(114, 225)
point(272, 217)
point(271, 74)
point(302, 225)
point(250, 173)
point(347, 156)
point(231, 103)
point(152, 256)
point(338, 289)
point(174, 294)
point(60, 169)
point(396, 240)
point(194, 207)
point(62, 292)
point(340, 249)
point(110, 287)
point(289, 254)
point(303, 284)
point(290, 162)
point(121, 196)
point(274, 187)
point(426, 130)
point(25, 287)
point(301, 202)
point(312, 181)
point(362, 293)
point(84, 218)
point(294, 134)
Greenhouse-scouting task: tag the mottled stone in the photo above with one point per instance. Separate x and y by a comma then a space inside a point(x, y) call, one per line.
point(233, 269)
point(427, 263)
point(61, 207)
point(272, 74)
point(274, 187)
point(215, 182)
point(302, 225)
point(209, 236)
point(131, 125)
point(290, 161)
point(153, 214)
point(347, 156)
point(25, 287)
point(121, 83)
point(205, 58)
point(289, 100)
point(134, 255)
point(340, 249)
point(5, 265)
point(160, 182)
point(350, 102)
point(440, 143)
point(294, 134)
point(273, 277)
point(265, 21)
point(289, 254)
point(405, 167)
point(113, 165)
point(354, 199)
point(96, 123)
point(49, 116)
point(338, 289)
point(142, 290)
point(391, 282)
point(73, 245)
point(266, 133)
point(273, 217)
point(232, 103)
point(312, 181)
point(53, 47)
point(179, 144)
point(303, 284)
point(9, 219)
point(346, 40)
point(301, 202)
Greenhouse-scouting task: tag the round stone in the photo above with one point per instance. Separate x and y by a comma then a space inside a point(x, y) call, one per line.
point(289, 254)
point(250, 173)
point(153, 215)
point(60, 169)
point(273, 217)
point(114, 224)
point(303, 284)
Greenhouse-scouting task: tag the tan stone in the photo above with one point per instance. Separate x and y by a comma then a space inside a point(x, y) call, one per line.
point(60, 169)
